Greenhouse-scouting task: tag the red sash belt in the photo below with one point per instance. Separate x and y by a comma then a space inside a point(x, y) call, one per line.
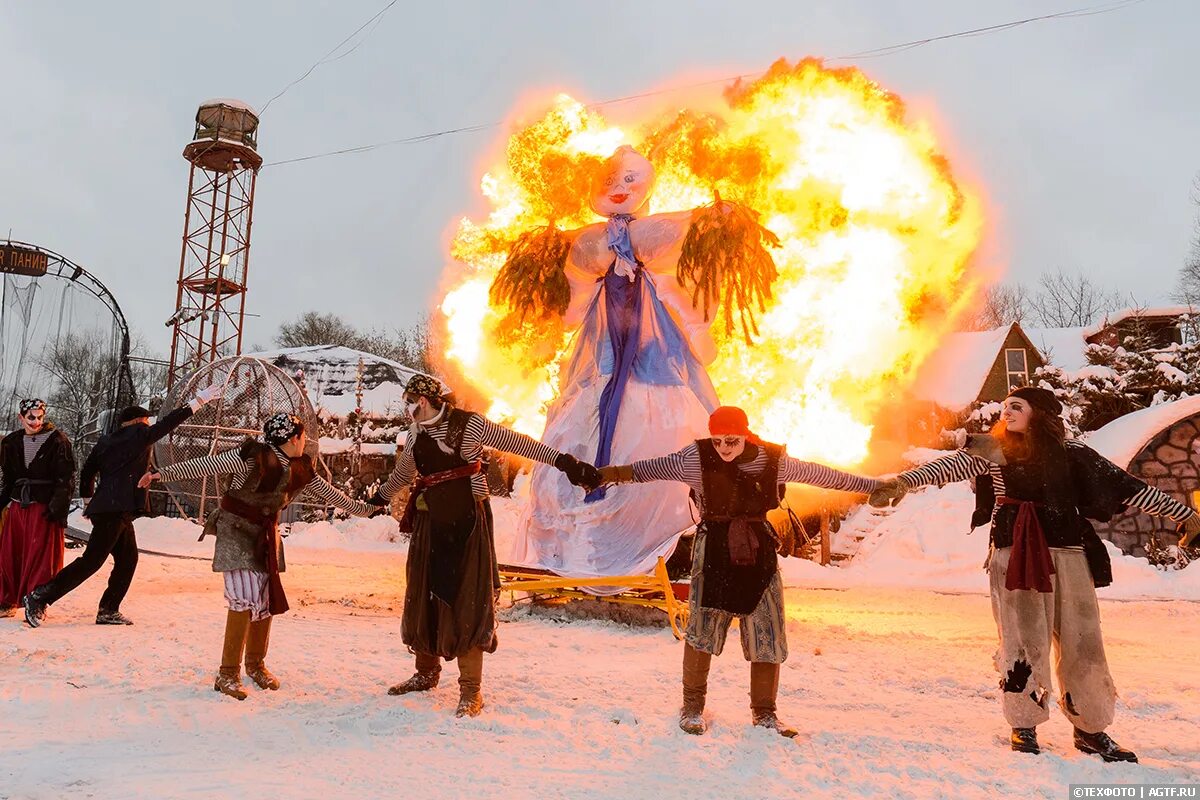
point(1029, 565)
point(268, 520)
point(433, 479)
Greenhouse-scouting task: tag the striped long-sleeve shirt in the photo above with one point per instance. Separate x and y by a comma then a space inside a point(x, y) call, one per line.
point(231, 462)
point(684, 467)
point(961, 465)
point(478, 434)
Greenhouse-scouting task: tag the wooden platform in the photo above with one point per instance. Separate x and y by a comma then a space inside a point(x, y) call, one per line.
point(650, 591)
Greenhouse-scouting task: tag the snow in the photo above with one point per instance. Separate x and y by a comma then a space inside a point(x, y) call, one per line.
point(1117, 317)
point(331, 375)
point(1062, 347)
point(1122, 439)
point(891, 684)
point(332, 446)
point(954, 374)
point(231, 102)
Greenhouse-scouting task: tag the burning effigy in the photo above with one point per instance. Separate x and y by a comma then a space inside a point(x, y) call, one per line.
point(798, 248)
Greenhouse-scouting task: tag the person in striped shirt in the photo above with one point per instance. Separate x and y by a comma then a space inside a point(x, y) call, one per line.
point(1046, 561)
point(736, 478)
point(266, 475)
point(452, 576)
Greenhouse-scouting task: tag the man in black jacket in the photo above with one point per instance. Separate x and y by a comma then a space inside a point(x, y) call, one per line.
point(119, 459)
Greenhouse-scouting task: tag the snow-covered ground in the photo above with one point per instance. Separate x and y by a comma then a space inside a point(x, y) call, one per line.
point(890, 678)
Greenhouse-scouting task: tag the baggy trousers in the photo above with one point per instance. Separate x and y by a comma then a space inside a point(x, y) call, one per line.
point(111, 534)
point(1064, 623)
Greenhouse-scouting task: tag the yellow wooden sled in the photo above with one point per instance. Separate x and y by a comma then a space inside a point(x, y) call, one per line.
point(650, 591)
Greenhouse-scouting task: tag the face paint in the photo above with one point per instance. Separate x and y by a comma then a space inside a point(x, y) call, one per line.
point(1016, 413)
point(729, 447)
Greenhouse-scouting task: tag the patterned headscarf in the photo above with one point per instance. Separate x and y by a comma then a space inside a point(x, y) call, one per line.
point(32, 405)
point(281, 427)
point(424, 386)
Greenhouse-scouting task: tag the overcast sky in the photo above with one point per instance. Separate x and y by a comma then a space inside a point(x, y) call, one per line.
point(1084, 133)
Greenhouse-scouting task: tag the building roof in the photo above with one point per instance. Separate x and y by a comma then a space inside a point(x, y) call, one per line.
point(1062, 347)
point(1122, 439)
point(954, 374)
point(331, 376)
point(1117, 317)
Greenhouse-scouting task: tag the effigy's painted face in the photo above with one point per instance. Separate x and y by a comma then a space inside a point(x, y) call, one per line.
point(624, 183)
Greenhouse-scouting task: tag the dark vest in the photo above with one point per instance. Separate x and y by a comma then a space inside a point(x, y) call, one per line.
point(450, 506)
point(268, 489)
point(733, 497)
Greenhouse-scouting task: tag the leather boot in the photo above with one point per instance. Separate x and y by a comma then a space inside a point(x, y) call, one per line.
point(229, 678)
point(470, 683)
point(764, 687)
point(429, 668)
point(695, 689)
point(257, 641)
point(1024, 740)
point(1101, 744)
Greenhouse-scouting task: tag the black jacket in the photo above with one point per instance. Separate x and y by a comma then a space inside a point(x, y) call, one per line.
point(54, 464)
point(119, 460)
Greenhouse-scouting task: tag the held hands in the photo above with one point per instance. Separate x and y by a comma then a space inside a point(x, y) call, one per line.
point(377, 511)
point(206, 395)
point(1188, 531)
point(889, 492)
point(579, 473)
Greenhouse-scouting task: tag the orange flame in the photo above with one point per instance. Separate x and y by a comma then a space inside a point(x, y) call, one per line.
point(876, 238)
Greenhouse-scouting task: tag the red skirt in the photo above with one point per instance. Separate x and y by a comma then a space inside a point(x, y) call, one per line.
point(31, 551)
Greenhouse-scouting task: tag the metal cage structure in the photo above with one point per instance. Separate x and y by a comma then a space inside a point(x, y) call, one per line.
point(251, 391)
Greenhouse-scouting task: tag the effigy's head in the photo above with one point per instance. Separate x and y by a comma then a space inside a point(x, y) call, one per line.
point(623, 184)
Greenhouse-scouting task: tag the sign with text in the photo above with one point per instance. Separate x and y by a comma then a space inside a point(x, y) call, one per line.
point(23, 261)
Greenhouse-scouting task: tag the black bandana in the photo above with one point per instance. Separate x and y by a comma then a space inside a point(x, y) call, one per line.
point(281, 427)
point(424, 386)
point(31, 405)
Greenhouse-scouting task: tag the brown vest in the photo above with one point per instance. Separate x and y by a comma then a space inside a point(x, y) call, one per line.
point(267, 490)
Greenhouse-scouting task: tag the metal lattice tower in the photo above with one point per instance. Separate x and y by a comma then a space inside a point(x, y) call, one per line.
point(210, 304)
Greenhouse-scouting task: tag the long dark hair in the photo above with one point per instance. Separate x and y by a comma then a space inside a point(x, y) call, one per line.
point(1045, 437)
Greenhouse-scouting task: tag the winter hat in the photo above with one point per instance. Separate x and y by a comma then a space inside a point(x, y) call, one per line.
point(424, 386)
point(1041, 399)
point(281, 427)
point(32, 405)
point(730, 421)
point(132, 413)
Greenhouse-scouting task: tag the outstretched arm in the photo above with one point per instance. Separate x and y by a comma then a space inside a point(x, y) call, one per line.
point(321, 489)
point(485, 433)
point(958, 466)
point(682, 466)
point(402, 476)
point(216, 464)
point(793, 470)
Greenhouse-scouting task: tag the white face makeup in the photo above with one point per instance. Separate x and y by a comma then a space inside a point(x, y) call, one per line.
point(729, 447)
point(1016, 413)
point(624, 184)
point(34, 421)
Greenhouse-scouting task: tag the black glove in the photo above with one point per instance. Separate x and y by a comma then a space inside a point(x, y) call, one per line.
point(378, 499)
point(579, 473)
point(378, 511)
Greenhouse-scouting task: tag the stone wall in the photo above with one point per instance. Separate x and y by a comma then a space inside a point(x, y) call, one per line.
point(1170, 462)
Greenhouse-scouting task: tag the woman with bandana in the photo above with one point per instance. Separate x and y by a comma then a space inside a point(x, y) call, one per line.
point(266, 476)
point(452, 577)
point(1046, 561)
point(736, 479)
point(635, 384)
point(35, 496)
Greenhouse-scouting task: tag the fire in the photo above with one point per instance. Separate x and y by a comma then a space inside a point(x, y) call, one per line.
point(876, 239)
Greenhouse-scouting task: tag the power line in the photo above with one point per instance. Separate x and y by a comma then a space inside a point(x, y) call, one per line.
point(325, 59)
point(875, 53)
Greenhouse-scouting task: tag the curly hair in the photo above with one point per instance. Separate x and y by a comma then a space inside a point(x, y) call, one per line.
point(1047, 434)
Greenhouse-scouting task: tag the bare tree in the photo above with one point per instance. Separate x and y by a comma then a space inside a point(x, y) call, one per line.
point(1188, 289)
point(1070, 301)
point(313, 328)
point(83, 375)
point(1002, 305)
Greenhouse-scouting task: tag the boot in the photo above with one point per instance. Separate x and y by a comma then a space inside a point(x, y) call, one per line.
point(1024, 740)
point(429, 669)
point(35, 606)
point(257, 640)
point(764, 687)
point(112, 618)
point(229, 678)
point(695, 689)
point(470, 683)
point(1101, 744)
